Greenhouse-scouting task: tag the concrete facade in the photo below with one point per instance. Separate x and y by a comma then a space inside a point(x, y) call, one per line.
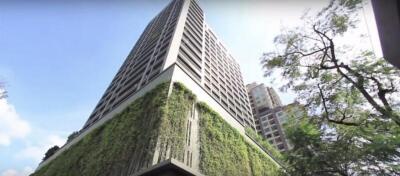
point(268, 114)
point(180, 35)
point(271, 123)
point(261, 97)
point(387, 16)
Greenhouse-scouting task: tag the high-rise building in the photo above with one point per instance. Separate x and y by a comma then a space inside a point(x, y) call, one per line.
point(262, 96)
point(176, 48)
point(268, 114)
point(275, 100)
point(179, 36)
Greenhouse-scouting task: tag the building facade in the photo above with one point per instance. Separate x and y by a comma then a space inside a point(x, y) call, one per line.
point(177, 46)
point(179, 35)
point(387, 16)
point(262, 97)
point(268, 114)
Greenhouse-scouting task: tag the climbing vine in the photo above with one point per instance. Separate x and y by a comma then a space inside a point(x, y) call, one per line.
point(172, 130)
point(126, 143)
point(156, 122)
point(263, 143)
point(224, 151)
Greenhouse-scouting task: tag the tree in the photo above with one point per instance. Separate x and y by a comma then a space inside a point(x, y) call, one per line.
point(339, 152)
point(72, 136)
point(353, 120)
point(50, 152)
point(3, 92)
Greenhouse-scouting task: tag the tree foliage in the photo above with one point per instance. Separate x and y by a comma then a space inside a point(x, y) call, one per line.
point(3, 92)
point(72, 136)
point(50, 152)
point(351, 96)
point(344, 151)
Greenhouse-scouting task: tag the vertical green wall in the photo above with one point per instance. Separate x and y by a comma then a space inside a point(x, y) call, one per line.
point(127, 142)
point(224, 151)
point(157, 122)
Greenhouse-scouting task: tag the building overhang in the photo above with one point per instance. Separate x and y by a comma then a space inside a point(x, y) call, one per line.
point(170, 167)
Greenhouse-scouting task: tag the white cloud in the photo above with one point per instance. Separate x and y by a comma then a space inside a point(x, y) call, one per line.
point(11, 125)
point(36, 152)
point(12, 172)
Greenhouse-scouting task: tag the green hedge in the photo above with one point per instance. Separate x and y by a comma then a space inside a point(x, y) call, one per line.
point(224, 151)
point(127, 142)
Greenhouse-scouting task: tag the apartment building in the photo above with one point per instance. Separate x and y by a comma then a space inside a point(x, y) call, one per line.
point(268, 114)
point(177, 46)
point(178, 35)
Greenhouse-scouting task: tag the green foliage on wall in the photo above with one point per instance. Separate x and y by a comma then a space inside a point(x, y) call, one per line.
point(224, 151)
point(261, 165)
point(265, 144)
point(127, 142)
point(172, 130)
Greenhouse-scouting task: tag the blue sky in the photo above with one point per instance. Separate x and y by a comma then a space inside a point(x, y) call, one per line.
point(57, 58)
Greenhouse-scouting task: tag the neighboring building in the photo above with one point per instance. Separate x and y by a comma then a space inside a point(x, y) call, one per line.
point(262, 97)
point(275, 100)
point(178, 46)
point(387, 16)
point(271, 123)
point(268, 114)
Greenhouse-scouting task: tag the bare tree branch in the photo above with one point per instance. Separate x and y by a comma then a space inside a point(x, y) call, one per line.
point(359, 84)
point(326, 115)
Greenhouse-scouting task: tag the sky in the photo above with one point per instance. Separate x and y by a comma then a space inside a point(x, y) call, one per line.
point(58, 57)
